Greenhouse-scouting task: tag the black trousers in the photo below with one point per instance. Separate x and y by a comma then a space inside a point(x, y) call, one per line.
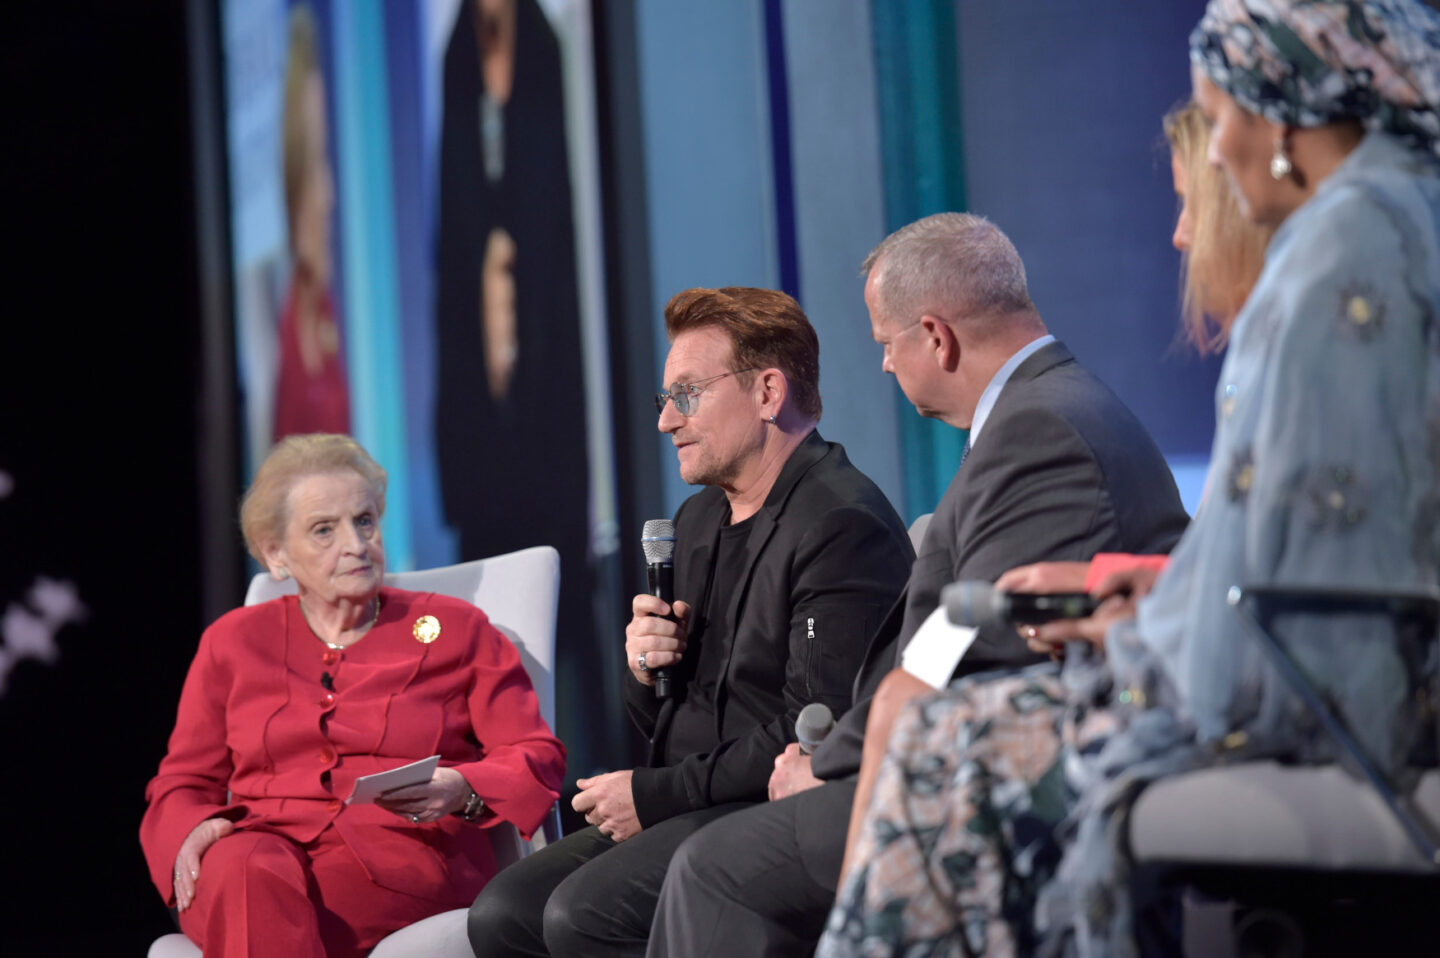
point(759, 882)
point(585, 895)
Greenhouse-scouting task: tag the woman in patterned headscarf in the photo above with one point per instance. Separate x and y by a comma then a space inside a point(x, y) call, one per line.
point(1324, 118)
point(1324, 475)
point(1325, 470)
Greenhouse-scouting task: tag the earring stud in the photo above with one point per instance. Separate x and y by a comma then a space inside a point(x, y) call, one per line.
point(1280, 165)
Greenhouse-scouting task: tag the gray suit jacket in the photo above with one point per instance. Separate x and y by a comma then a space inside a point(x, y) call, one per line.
point(1062, 470)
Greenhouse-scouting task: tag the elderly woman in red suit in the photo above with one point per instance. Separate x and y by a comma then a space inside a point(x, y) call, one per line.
point(287, 703)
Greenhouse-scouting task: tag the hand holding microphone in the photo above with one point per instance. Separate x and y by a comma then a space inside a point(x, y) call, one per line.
point(792, 767)
point(657, 631)
point(979, 604)
point(812, 725)
point(655, 637)
point(1048, 618)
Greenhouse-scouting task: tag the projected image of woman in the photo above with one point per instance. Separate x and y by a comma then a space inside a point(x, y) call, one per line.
point(310, 393)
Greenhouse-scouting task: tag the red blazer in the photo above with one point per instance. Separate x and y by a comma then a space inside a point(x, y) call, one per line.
point(256, 721)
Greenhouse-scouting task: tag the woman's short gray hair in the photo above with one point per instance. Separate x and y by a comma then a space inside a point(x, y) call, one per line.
point(264, 510)
point(954, 265)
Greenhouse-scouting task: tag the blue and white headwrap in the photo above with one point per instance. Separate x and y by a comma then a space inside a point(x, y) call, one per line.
point(1312, 62)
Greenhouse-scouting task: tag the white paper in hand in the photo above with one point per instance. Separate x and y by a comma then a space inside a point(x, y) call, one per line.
point(369, 787)
point(936, 648)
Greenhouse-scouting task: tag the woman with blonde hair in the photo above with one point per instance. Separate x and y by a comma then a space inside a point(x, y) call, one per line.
point(1223, 251)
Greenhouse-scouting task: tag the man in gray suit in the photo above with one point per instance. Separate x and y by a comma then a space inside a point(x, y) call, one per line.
point(1056, 468)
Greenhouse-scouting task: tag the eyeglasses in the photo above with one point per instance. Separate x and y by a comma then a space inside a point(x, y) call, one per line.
point(686, 396)
point(895, 337)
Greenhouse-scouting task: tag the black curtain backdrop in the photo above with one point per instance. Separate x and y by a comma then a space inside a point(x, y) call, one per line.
point(98, 415)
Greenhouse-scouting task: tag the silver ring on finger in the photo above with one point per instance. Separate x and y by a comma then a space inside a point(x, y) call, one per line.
point(640, 661)
point(415, 819)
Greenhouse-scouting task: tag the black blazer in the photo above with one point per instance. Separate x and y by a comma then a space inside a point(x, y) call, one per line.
point(1061, 471)
point(826, 557)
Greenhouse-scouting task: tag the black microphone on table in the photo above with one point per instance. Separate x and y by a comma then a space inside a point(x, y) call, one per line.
point(812, 725)
point(658, 541)
point(980, 604)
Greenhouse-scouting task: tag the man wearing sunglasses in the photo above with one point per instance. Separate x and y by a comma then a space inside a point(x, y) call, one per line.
point(784, 565)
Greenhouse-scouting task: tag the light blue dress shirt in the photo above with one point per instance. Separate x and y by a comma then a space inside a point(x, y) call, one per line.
point(997, 383)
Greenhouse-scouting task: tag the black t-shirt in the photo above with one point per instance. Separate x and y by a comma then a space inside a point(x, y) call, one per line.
point(695, 728)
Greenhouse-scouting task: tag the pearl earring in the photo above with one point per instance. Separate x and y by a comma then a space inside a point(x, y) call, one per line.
point(1280, 165)
point(279, 573)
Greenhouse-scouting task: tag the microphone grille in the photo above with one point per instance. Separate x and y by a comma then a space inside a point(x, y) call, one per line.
point(972, 603)
point(813, 723)
point(658, 540)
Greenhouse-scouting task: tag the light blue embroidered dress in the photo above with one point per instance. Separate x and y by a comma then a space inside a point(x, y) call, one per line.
point(1325, 473)
point(1324, 466)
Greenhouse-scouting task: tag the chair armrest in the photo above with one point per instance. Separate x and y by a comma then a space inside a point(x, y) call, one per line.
point(549, 830)
point(1399, 603)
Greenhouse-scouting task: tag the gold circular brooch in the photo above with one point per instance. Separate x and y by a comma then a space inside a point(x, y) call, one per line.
point(427, 629)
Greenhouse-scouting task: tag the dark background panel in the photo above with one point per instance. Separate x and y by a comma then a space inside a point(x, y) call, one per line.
point(1062, 105)
point(98, 425)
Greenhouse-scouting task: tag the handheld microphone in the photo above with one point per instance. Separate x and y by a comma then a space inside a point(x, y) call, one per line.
point(812, 725)
point(658, 541)
point(980, 603)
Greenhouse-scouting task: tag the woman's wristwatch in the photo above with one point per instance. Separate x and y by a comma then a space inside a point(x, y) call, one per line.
point(474, 806)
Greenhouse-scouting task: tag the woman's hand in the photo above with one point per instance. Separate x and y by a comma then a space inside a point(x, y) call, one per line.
point(1119, 592)
point(1134, 583)
point(1051, 637)
point(187, 862)
point(1045, 577)
point(446, 792)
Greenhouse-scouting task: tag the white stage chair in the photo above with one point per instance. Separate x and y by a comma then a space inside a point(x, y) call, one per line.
point(1262, 847)
point(519, 592)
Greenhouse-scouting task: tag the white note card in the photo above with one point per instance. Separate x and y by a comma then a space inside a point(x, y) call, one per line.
point(936, 648)
point(369, 787)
